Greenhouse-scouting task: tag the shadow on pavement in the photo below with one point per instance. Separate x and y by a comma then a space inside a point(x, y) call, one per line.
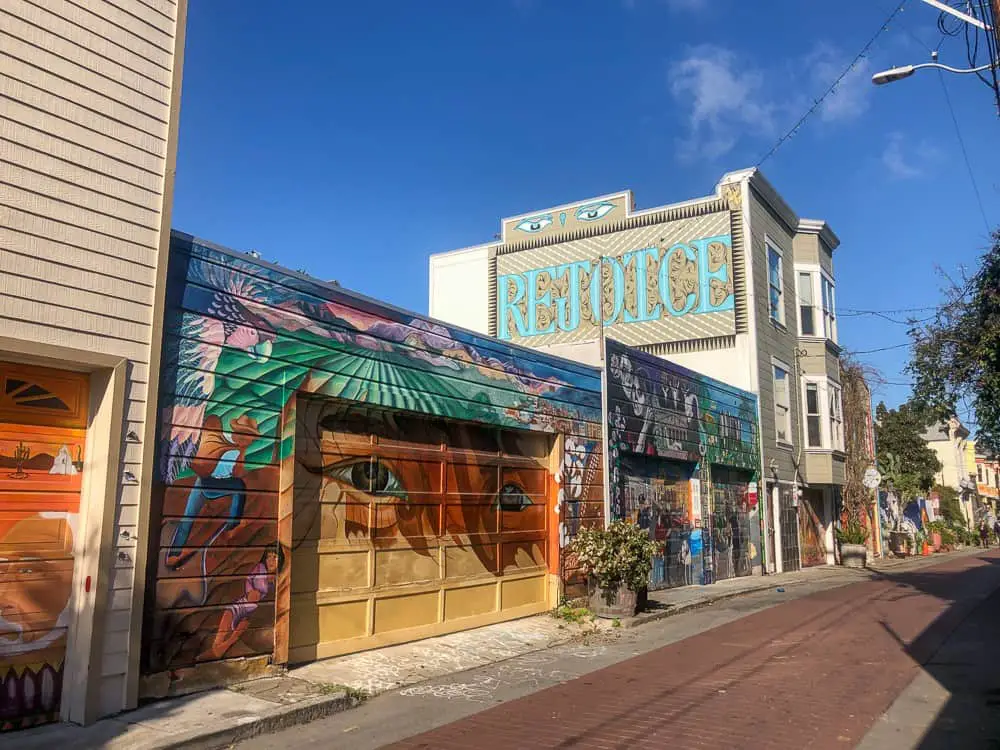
point(960, 650)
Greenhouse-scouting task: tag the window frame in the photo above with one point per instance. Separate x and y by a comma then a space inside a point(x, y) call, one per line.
point(823, 290)
point(835, 396)
point(770, 246)
point(777, 364)
point(832, 434)
point(808, 383)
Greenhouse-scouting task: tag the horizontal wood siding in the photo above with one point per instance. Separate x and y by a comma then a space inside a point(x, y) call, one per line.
point(774, 340)
point(85, 90)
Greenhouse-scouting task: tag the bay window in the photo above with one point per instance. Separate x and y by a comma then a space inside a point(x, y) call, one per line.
point(817, 310)
point(814, 419)
point(824, 413)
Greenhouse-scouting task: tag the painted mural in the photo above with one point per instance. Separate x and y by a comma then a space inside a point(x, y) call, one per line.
point(244, 339)
point(685, 426)
point(40, 479)
point(652, 282)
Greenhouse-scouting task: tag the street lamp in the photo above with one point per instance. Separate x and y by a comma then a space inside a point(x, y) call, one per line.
point(905, 71)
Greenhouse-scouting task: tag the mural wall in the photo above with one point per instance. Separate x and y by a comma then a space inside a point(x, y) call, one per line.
point(662, 282)
point(683, 428)
point(243, 340)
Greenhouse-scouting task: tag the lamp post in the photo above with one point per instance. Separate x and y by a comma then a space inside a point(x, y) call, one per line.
point(905, 71)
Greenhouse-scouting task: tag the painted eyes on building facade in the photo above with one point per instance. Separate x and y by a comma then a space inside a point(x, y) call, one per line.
point(369, 475)
point(513, 499)
point(534, 224)
point(593, 211)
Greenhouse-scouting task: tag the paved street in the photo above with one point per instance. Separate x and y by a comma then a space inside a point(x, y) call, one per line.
point(816, 666)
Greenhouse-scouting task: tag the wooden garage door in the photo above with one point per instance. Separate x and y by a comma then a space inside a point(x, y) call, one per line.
point(406, 527)
point(42, 429)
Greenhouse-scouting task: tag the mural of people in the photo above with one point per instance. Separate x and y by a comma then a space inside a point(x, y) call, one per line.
point(258, 585)
point(218, 466)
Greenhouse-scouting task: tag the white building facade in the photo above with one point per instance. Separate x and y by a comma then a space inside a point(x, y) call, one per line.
point(733, 285)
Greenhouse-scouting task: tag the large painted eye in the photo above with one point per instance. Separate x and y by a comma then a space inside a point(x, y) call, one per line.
point(534, 224)
point(369, 475)
point(593, 211)
point(513, 499)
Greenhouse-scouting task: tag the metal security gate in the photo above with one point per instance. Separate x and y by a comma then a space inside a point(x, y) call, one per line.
point(43, 418)
point(730, 523)
point(657, 497)
point(791, 558)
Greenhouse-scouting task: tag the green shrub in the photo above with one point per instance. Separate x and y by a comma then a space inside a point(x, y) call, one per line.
point(620, 554)
point(852, 533)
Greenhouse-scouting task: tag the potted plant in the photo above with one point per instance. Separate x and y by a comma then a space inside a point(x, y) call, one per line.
point(852, 538)
point(617, 561)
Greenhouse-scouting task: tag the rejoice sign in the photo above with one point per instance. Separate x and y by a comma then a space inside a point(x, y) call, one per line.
point(639, 286)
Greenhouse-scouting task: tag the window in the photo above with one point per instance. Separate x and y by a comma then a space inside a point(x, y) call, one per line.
point(782, 405)
point(836, 418)
point(814, 419)
point(775, 293)
point(807, 308)
point(829, 316)
point(980, 470)
point(817, 311)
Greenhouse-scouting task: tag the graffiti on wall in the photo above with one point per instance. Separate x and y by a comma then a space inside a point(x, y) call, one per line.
point(657, 410)
point(245, 338)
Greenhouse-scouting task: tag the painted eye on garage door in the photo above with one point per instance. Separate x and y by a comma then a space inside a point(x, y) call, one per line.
point(513, 499)
point(369, 475)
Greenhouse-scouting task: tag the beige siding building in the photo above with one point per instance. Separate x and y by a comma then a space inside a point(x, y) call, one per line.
point(734, 285)
point(90, 98)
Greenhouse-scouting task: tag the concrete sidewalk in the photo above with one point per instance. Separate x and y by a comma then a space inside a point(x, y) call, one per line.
point(217, 718)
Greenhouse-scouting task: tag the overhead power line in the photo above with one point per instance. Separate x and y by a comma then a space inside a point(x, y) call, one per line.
point(880, 349)
point(833, 86)
point(965, 154)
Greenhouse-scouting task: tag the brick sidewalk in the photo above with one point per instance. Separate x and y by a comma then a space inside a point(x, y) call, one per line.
point(815, 672)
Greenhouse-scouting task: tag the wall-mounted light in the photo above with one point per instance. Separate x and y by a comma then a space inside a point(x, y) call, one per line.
point(125, 534)
point(129, 477)
point(132, 436)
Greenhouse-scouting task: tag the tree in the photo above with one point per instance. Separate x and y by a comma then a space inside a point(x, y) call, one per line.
point(956, 356)
point(949, 506)
point(903, 456)
point(856, 398)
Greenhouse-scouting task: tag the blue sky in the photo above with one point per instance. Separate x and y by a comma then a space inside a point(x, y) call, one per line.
point(352, 140)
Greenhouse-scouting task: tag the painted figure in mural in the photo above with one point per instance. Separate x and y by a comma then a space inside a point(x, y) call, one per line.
point(576, 474)
point(259, 584)
point(63, 463)
point(219, 469)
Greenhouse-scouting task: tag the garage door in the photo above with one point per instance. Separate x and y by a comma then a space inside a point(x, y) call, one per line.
point(42, 429)
point(406, 527)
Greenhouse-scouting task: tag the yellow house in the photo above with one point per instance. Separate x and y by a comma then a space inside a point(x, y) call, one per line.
point(957, 453)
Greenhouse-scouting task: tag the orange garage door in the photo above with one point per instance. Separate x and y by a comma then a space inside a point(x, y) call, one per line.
point(43, 417)
point(406, 527)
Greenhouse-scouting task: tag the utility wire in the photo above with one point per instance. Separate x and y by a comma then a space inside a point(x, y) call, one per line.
point(880, 349)
point(965, 154)
point(833, 86)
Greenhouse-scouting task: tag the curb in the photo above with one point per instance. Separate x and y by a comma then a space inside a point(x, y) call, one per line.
point(296, 714)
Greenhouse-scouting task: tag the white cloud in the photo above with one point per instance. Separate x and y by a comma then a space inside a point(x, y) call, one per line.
point(906, 161)
point(725, 99)
point(729, 99)
point(850, 99)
